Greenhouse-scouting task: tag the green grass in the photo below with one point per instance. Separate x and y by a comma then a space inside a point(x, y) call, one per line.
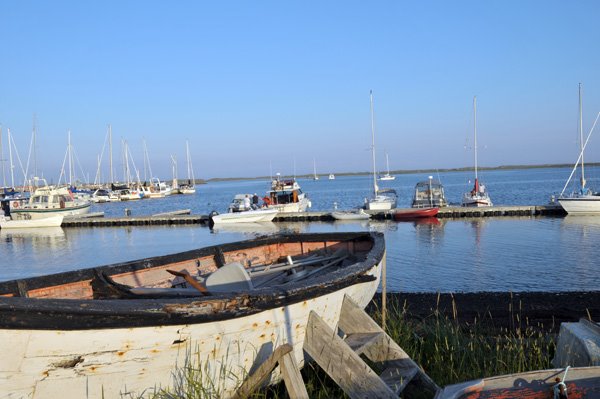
point(447, 350)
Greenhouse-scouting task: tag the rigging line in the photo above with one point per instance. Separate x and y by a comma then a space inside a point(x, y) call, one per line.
point(580, 155)
point(62, 169)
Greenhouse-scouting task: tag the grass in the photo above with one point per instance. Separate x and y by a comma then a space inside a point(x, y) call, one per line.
point(449, 352)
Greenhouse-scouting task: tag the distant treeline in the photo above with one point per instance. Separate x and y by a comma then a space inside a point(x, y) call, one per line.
point(405, 172)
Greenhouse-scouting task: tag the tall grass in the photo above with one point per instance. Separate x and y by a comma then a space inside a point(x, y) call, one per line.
point(448, 351)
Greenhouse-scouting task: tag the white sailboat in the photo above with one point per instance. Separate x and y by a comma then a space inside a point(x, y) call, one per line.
point(381, 199)
point(331, 176)
point(189, 187)
point(584, 201)
point(478, 196)
point(387, 176)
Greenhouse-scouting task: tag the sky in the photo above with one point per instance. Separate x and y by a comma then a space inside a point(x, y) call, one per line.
point(263, 87)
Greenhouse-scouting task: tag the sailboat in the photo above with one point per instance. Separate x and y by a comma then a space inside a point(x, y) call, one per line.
point(585, 201)
point(315, 176)
point(387, 176)
point(478, 196)
point(381, 199)
point(189, 187)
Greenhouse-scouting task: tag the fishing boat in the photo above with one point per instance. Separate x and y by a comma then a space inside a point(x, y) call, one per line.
point(286, 196)
point(382, 199)
point(414, 213)
point(387, 175)
point(50, 221)
point(358, 214)
point(580, 382)
point(429, 194)
point(131, 327)
point(584, 201)
point(49, 201)
point(478, 196)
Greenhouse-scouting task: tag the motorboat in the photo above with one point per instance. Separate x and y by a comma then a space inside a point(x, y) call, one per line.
point(580, 382)
point(49, 201)
point(250, 216)
point(133, 326)
point(358, 214)
point(286, 196)
point(156, 189)
point(478, 196)
point(50, 221)
point(414, 213)
point(100, 196)
point(429, 194)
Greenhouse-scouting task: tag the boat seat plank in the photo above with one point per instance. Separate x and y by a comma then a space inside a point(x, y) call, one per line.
point(231, 277)
point(359, 342)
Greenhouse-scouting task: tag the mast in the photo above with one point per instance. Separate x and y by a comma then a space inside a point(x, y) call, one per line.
point(373, 144)
point(314, 169)
point(475, 130)
point(190, 170)
point(581, 139)
point(110, 152)
point(70, 157)
point(34, 148)
point(2, 160)
point(12, 167)
point(387, 162)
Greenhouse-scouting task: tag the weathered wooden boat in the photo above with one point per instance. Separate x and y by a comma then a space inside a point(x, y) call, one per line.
point(580, 383)
point(415, 213)
point(130, 328)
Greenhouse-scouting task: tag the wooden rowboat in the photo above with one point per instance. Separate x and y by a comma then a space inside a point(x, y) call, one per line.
point(580, 382)
point(129, 328)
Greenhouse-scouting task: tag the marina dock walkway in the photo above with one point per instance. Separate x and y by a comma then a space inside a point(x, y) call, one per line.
point(444, 213)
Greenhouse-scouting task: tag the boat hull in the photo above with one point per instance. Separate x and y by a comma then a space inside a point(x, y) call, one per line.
point(415, 213)
point(124, 352)
point(51, 221)
point(350, 215)
point(27, 213)
point(586, 205)
point(259, 215)
point(381, 203)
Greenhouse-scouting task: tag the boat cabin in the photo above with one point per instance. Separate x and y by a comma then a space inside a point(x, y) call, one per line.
point(285, 192)
point(429, 194)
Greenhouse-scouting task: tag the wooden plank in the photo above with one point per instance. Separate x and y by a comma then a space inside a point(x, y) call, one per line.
point(254, 380)
point(292, 378)
point(398, 378)
point(340, 362)
point(359, 342)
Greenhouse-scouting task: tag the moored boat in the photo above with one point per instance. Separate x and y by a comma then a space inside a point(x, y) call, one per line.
point(250, 216)
point(414, 213)
point(359, 214)
point(50, 221)
point(286, 196)
point(581, 383)
point(50, 201)
point(429, 194)
point(122, 328)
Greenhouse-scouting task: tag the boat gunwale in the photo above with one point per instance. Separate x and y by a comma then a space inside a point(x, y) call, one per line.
point(78, 314)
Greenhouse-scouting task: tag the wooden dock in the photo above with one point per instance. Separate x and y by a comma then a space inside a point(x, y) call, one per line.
point(175, 218)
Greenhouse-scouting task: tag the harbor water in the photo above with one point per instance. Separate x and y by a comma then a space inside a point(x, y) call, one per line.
point(466, 255)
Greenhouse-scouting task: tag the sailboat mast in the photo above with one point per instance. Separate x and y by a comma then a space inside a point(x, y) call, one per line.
point(581, 138)
point(12, 167)
point(111, 153)
point(34, 148)
point(475, 131)
point(373, 143)
point(2, 160)
point(387, 162)
point(70, 158)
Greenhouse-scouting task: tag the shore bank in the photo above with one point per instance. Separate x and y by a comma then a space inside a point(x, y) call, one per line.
point(543, 310)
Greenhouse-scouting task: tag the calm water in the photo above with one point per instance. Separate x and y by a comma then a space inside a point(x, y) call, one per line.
point(518, 254)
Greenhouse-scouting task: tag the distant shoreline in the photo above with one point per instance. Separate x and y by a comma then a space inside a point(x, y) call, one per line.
point(406, 172)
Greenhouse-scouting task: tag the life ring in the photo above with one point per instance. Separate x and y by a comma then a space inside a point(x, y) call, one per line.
point(15, 204)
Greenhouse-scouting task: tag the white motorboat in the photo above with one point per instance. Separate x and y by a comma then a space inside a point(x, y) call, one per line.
point(100, 196)
point(251, 216)
point(331, 176)
point(358, 214)
point(156, 189)
point(286, 196)
point(584, 201)
point(50, 221)
point(381, 200)
point(429, 194)
point(49, 201)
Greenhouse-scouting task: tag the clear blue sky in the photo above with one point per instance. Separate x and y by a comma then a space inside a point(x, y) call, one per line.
point(254, 83)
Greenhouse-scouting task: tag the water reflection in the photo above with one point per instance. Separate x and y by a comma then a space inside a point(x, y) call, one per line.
point(253, 229)
point(41, 238)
